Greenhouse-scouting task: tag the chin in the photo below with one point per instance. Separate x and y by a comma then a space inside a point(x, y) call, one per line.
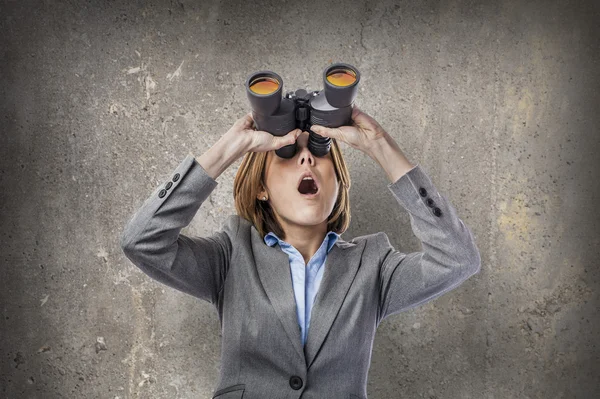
point(308, 218)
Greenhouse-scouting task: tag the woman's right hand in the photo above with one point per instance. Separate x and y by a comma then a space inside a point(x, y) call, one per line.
point(245, 133)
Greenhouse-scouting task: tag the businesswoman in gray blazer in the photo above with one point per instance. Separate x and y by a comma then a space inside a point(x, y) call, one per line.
point(298, 305)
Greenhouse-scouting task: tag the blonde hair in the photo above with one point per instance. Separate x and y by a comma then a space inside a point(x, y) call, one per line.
point(250, 179)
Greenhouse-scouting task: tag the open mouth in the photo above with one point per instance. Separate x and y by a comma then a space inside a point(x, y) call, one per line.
point(308, 187)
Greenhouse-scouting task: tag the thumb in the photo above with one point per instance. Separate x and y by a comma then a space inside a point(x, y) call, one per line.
point(289, 138)
point(323, 131)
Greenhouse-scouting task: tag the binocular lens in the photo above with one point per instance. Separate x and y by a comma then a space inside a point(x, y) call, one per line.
point(264, 85)
point(341, 77)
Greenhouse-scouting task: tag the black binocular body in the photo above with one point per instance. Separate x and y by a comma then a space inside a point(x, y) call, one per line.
point(279, 115)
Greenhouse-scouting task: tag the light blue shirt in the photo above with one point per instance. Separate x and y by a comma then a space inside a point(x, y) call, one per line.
point(305, 278)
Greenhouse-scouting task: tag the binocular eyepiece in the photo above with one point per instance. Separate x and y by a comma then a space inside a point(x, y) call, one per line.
point(331, 107)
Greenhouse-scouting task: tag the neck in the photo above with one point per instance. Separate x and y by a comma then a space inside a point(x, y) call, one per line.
point(306, 239)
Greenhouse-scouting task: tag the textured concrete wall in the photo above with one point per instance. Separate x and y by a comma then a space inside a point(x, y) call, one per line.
point(497, 100)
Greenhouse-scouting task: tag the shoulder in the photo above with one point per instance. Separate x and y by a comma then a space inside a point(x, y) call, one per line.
point(369, 241)
point(244, 227)
point(367, 237)
point(242, 223)
point(375, 244)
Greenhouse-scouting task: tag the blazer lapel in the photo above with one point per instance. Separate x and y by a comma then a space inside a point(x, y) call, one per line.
point(273, 267)
point(341, 266)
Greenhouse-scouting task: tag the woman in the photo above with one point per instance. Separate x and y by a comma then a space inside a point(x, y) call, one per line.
point(297, 304)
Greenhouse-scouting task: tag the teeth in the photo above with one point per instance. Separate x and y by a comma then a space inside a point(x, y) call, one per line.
point(307, 178)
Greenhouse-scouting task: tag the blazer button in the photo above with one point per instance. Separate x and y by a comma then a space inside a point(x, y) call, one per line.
point(168, 186)
point(437, 211)
point(430, 202)
point(162, 193)
point(176, 177)
point(423, 192)
point(296, 382)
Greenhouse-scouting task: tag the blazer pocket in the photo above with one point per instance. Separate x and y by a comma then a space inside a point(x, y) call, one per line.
point(232, 392)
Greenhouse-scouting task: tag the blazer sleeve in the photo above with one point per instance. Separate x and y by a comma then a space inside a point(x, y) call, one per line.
point(450, 255)
point(151, 239)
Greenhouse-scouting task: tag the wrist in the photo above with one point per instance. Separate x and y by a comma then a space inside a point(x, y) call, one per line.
point(232, 146)
point(387, 153)
point(221, 155)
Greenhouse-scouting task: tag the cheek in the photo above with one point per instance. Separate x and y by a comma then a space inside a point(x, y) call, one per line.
point(332, 186)
point(281, 188)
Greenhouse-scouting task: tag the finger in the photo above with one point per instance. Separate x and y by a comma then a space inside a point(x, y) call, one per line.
point(295, 134)
point(244, 119)
point(324, 131)
point(289, 138)
point(248, 120)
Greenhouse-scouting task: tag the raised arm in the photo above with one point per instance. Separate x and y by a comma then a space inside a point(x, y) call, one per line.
point(450, 255)
point(152, 239)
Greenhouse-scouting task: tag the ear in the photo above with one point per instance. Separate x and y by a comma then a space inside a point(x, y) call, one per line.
point(261, 193)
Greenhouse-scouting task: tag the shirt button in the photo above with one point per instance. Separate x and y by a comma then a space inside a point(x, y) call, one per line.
point(162, 193)
point(296, 382)
point(168, 186)
point(423, 192)
point(176, 177)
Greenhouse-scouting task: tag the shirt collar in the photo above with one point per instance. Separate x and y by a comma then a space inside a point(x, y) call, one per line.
point(271, 239)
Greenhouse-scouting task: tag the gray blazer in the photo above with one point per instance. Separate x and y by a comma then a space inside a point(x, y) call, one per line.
point(250, 285)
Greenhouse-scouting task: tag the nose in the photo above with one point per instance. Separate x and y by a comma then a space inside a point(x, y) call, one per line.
point(304, 155)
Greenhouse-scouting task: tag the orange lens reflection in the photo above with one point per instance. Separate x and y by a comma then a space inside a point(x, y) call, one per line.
point(341, 77)
point(264, 85)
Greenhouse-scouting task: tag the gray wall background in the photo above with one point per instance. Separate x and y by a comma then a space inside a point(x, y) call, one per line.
point(497, 100)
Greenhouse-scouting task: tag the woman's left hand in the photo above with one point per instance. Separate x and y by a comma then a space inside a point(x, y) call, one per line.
point(364, 133)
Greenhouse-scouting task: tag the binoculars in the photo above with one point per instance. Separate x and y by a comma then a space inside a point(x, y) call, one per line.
point(331, 107)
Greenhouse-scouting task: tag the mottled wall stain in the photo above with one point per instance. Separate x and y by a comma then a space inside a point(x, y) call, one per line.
point(497, 100)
